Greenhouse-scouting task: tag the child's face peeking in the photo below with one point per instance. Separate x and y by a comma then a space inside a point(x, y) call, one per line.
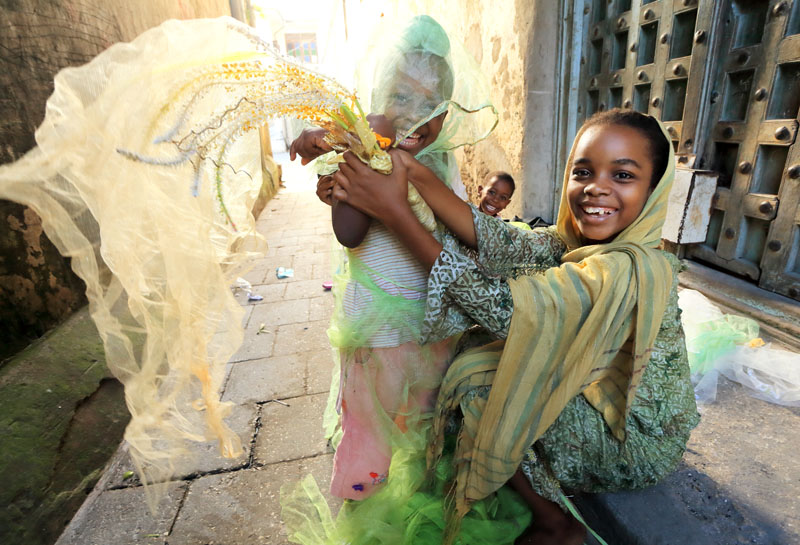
point(495, 196)
point(609, 181)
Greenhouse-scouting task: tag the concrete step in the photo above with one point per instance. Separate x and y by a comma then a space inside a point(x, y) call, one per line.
point(739, 483)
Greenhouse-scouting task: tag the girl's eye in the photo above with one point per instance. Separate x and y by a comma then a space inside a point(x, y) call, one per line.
point(400, 99)
point(625, 176)
point(580, 172)
point(491, 192)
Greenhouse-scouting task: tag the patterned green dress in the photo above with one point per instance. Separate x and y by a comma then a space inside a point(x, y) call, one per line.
point(578, 451)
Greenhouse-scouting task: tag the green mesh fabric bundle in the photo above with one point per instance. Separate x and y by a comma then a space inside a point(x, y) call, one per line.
point(405, 511)
point(715, 338)
point(419, 76)
point(423, 53)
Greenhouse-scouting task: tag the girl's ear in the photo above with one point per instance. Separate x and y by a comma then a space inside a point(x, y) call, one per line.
point(480, 189)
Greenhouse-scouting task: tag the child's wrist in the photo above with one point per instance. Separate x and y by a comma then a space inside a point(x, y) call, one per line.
point(398, 215)
point(414, 172)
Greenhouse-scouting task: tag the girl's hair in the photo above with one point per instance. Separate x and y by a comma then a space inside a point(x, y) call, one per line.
point(503, 177)
point(647, 126)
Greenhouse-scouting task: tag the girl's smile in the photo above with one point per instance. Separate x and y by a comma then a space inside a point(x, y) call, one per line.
point(422, 137)
point(609, 181)
point(412, 97)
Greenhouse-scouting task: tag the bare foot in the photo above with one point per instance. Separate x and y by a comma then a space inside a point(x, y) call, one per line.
point(571, 532)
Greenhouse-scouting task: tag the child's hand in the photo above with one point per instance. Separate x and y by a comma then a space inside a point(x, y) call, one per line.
point(413, 167)
point(418, 174)
point(378, 195)
point(309, 145)
point(325, 189)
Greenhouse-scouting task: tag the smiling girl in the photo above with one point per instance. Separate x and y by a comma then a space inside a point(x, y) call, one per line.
point(588, 385)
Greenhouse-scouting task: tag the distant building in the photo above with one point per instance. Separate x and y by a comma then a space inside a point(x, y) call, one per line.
point(291, 36)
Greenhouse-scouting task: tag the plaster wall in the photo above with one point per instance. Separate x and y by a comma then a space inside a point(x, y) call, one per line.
point(38, 38)
point(516, 44)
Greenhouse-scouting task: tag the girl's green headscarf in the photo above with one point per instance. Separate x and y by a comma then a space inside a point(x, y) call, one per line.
point(577, 328)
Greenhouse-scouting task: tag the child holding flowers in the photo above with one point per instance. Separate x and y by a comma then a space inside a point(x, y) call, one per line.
point(429, 103)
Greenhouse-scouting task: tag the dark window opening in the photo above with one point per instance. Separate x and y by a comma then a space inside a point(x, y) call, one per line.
point(598, 11)
point(725, 155)
point(683, 34)
point(674, 99)
point(641, 98)
point(737, 95)
point(594, 102)
point(770, 162)
point(751, 16)
point(615, 97)
point(596, 57)
point(754, 240)
point(785, 100)
point(647, 43)
point(620, 50)
point(714, 228)
point(793, 27)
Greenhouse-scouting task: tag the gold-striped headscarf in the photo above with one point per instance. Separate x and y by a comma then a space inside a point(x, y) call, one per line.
point(577, 328)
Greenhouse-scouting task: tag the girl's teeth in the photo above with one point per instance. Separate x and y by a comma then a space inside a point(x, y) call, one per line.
point(595, 210)
point(412, 136)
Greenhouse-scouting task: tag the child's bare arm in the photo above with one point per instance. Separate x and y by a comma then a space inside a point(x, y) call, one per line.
point(349, 225)
point(386, 198)
point(451, 211)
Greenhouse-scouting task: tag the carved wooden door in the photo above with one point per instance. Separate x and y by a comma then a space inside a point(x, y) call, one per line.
point(724, 77)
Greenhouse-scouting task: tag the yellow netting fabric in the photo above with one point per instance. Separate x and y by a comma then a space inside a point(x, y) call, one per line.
point(145, 173)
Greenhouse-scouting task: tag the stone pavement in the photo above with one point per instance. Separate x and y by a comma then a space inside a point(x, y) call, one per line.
point(279, 381)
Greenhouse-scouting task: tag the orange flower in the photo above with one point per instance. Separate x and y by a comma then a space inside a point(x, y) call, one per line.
point(383, 142)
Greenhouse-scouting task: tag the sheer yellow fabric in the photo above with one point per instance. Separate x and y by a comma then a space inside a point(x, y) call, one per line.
point(145, 172)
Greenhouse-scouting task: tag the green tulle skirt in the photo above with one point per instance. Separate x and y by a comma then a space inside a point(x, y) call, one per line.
point(409, 509)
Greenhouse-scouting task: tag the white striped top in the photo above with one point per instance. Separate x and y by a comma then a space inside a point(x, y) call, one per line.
point(394, 270)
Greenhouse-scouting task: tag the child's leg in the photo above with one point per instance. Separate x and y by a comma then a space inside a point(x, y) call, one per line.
point(371, 386)
point(384, 390)
point(426, 378)
point(550, 526)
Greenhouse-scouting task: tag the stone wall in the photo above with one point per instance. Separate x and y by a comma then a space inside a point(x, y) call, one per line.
point(38, 38)
point(62, 415)
point(516, 43)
